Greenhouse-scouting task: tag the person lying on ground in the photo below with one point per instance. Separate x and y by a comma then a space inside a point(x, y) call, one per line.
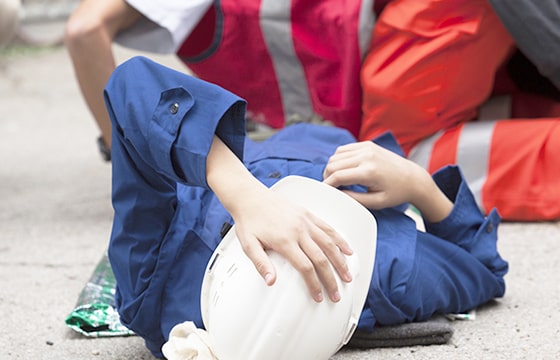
point(183, 167)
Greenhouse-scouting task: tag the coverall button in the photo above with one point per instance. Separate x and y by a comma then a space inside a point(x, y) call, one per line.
point(489, 228)
point(174, 108)
point(274, 175)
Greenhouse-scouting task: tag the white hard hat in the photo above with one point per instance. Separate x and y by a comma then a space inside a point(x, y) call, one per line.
point(248, 320)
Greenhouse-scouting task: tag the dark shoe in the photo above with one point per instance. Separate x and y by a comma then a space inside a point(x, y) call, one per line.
point(103, 149)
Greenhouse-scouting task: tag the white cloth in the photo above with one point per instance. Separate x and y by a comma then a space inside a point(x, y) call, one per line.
point(187, 342)
point(165, 26)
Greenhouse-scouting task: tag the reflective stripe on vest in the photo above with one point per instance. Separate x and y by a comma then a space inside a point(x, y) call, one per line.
point(278, 38)
point(286, 58)
point(467, 145)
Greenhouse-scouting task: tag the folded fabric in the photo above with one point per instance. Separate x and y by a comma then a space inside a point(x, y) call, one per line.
point(435, 331)
point(187, 342)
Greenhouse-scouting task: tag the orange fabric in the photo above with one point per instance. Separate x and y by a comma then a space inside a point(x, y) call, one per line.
point(431, 64)
point(445, 149)
point(524, 170)
point(523, 175)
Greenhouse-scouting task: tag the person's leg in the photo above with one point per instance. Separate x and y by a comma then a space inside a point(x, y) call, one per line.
point(431, 64)
point(89, 34)
point(9, 20)
point(429, 74)
point(163, 124)
point(511, 165)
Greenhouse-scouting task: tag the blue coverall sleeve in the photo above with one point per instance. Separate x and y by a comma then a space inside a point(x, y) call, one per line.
point(452, 267)
point(466, 226)
point(170, 117)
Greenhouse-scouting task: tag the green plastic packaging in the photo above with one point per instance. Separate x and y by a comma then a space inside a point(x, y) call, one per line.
point(95, 314)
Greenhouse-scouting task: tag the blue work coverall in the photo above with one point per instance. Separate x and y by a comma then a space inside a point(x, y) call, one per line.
point(167, 221)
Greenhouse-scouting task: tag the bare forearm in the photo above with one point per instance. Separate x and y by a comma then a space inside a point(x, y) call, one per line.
point(265, 220)
point(227, 176)
point(429, 199)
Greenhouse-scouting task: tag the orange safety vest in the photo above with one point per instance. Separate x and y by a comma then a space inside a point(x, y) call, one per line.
point(286, 58)
point(431, 66)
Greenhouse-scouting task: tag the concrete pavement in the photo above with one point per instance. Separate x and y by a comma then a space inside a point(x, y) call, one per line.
point(55, 219)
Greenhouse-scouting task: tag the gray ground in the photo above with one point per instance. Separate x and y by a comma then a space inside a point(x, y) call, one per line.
point(55, 219)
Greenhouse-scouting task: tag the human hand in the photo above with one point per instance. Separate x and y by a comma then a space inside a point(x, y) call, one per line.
point(267, 221)
point(389, 178)
point(264, 220)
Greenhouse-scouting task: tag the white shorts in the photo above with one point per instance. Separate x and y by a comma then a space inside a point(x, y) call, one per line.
point(165, 26)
